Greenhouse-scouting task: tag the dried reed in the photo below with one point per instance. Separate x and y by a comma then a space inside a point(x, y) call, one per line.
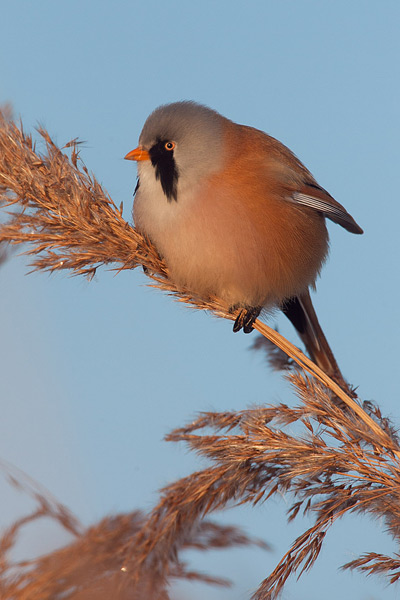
point(90, 567)
point(345, 457)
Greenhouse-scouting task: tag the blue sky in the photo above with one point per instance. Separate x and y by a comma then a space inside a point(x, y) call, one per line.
point(94, 374)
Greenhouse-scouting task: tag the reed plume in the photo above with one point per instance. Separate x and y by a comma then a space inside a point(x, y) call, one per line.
point(343, 458)
point(91, 566)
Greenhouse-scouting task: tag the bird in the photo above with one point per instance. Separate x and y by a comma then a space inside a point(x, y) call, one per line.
point(235, 214)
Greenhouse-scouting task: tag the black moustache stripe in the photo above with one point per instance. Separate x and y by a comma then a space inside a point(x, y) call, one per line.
point(166, 170)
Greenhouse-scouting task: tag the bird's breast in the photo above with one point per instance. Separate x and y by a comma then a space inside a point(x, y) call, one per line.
point(234, 236)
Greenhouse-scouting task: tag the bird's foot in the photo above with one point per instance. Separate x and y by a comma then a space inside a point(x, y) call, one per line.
point(245, 319)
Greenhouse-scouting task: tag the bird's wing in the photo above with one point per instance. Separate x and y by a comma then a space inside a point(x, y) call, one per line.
point(282, 165)
point(315, 197)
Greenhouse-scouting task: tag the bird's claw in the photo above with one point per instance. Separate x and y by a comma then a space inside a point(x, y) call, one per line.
point(245, 319)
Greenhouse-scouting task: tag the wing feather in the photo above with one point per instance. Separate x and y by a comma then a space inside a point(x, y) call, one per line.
point(320, 200)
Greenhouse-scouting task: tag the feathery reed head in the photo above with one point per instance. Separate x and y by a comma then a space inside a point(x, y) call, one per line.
point(344, 457)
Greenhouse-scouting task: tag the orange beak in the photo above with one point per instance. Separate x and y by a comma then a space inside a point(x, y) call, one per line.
point(138, 154)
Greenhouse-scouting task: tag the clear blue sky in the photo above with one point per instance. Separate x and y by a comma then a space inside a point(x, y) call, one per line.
point(94, 374)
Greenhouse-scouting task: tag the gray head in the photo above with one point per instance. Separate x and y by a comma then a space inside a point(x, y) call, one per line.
point(184, 141)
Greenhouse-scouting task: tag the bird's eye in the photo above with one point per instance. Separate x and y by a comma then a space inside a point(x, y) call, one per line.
point(169, 145)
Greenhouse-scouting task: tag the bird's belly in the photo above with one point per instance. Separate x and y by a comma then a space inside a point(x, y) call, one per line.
point(244, 261)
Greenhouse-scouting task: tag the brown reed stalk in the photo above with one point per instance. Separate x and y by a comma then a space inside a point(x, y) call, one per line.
point(91, 566)
point(342, 460)
point(330, 468)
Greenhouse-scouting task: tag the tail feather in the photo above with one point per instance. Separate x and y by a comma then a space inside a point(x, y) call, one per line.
point(300, 311)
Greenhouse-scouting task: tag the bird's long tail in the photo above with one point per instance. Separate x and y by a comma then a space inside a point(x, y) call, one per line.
point(300, 311)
